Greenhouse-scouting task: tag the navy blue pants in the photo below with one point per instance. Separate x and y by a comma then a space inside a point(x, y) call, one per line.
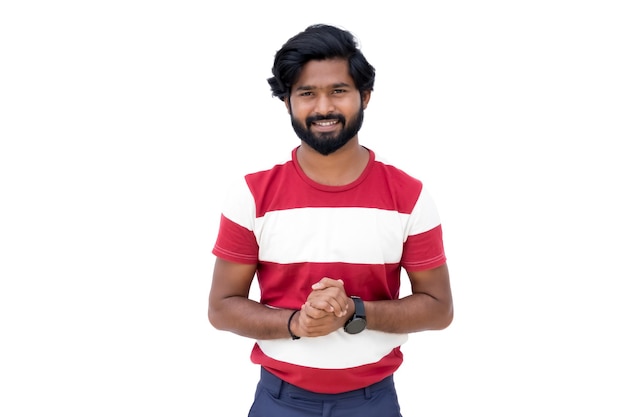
point(277, 398)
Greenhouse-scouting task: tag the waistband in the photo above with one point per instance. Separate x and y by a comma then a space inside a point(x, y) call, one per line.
point(276, 386)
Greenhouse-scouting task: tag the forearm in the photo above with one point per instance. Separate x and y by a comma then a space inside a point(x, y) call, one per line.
point(414, 313)
point(249, 318)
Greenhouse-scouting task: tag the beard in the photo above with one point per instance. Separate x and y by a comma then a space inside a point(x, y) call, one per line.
point(326, 143)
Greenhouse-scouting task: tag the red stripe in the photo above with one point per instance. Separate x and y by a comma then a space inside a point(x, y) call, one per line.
point(235, 243)
point(427, 247)
point(363, 280)
point(380, 186)
point(330, 381)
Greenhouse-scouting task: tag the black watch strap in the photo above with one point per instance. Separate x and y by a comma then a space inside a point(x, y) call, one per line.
point(359, 307)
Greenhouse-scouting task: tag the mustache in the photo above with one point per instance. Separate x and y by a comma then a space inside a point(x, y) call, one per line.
point(331, 116)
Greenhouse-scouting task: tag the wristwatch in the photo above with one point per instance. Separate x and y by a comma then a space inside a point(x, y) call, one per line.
point(357, 322)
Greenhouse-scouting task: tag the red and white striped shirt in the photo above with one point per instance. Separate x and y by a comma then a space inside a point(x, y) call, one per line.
point(298, 231)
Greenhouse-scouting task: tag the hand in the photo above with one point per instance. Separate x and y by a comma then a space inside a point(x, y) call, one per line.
point(328, 295)
point(325, 309)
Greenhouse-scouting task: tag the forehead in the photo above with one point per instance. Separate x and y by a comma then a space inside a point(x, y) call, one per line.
point(324, 73)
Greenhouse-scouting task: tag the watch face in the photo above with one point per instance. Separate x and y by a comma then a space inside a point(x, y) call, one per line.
point(356, 325)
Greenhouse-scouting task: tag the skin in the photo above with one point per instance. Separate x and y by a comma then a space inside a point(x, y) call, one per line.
point(326, 87)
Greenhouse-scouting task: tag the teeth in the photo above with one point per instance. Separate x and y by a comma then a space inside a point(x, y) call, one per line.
point(326, 123)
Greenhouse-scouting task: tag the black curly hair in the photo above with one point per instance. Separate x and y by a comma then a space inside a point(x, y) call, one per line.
point(318, 42)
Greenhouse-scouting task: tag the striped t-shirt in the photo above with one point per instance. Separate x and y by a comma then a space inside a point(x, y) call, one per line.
point(298, 231)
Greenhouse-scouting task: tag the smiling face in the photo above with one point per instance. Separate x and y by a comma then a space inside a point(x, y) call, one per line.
point(325, 106)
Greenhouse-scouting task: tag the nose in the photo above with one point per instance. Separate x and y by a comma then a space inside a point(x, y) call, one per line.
point(324, 104)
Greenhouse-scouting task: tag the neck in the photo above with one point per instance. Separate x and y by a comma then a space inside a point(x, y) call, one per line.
point(339, 168)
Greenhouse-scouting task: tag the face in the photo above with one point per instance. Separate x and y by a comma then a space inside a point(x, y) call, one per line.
point(325, 106)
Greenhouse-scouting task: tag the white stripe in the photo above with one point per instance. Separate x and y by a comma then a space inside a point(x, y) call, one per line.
point(334, 351)
point(347, 234)
point(322, 234)
point(425, 215)
point(239, 206)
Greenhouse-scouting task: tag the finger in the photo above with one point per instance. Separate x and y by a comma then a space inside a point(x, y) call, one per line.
point(327, 282)
point(313, 312)
point(321, 304)
point(336, 305)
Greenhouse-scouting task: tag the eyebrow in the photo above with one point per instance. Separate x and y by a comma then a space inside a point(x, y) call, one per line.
point(310, 87)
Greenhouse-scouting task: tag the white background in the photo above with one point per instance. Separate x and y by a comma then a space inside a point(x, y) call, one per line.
point(121, 123)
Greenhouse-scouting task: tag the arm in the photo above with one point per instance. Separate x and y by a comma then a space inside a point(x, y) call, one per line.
point(429, 307)
point(230, 308)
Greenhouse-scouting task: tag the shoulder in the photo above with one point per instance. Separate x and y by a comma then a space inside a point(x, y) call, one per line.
point(389, 168)
point(268, 181)
point(249, 191)
point(396, 178)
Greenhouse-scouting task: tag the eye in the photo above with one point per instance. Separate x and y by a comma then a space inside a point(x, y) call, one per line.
point(339, 91)
point(306, 94)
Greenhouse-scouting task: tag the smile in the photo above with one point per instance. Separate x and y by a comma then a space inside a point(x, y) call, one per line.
point(326, 122)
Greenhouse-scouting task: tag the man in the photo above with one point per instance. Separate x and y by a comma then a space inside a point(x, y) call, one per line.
point(327, 234)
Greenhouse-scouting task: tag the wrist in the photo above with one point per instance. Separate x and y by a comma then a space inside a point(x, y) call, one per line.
point(293, 336)
point(357, 321)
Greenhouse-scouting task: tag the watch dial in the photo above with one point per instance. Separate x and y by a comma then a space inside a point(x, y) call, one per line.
point(356, 326)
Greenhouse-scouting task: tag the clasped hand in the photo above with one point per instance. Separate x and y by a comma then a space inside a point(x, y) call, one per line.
point(325, 310)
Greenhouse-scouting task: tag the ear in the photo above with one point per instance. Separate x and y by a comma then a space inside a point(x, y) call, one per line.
point(365, 98)
point(287, 104)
